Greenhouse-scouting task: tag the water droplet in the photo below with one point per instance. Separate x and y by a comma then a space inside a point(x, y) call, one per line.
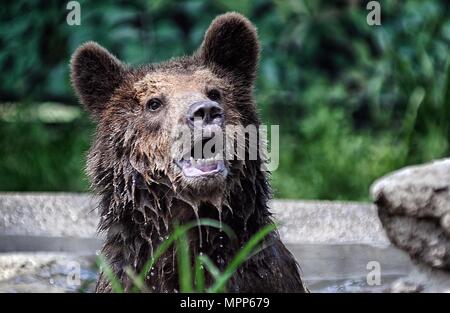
point(219, 260)
point(199, 227)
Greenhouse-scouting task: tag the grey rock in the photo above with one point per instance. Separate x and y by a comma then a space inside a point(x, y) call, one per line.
point(422, 279)
point(420, 191)
point(414, 208)
point(423, 239)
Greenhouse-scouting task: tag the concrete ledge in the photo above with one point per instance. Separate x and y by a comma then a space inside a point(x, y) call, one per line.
point(75, 215)
point(329, 222)
point(48, 214)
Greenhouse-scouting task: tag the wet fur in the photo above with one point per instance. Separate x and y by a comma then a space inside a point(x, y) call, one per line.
point(142, 195)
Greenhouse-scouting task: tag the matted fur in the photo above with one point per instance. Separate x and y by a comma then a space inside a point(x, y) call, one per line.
point(142, 191)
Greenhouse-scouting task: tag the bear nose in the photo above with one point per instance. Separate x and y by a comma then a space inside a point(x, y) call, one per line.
point(208, 112)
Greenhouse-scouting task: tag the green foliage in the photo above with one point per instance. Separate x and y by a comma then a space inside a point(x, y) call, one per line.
point(202, 262)
point(332, 161)
point(40, 155)
point(353, 101)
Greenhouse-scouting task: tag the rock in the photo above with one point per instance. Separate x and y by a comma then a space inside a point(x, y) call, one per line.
point(422, 279)
point(414, 209)
point(419, 191)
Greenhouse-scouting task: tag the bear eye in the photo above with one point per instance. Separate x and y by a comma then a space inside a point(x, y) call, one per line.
point(214, 95)
point(154, 104)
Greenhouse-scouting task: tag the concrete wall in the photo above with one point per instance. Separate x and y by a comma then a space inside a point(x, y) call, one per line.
point(75, 215)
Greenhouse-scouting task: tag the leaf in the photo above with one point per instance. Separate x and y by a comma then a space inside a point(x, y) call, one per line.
point(116, 285)
point(241, 257)
point(184, 264)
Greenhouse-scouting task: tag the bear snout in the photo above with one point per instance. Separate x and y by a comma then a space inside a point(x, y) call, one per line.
point(205, 112)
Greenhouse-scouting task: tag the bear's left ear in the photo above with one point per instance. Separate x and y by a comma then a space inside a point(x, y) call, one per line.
point(231, 44)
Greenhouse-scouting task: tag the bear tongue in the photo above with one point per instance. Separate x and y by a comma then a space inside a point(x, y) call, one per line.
point(202, 169)
point(207, 167)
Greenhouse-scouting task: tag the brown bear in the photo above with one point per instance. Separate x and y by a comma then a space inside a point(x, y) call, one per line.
point(144, 190)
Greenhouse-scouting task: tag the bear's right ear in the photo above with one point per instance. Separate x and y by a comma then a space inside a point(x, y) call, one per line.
point(95, 74)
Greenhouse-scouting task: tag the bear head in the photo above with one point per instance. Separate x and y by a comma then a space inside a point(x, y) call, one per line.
point(140, 113)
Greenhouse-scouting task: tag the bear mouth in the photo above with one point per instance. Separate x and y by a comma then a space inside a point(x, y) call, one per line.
point(199, 163)
point(201, 167)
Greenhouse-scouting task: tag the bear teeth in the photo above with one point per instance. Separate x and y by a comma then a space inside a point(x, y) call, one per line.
point(204, 161)
point(195, 162)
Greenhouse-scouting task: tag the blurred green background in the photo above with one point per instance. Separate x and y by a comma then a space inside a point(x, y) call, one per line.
point(353, 101)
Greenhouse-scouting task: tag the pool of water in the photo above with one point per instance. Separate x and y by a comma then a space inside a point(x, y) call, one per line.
point(40, 264)
point(350, 267)
point(47, 272)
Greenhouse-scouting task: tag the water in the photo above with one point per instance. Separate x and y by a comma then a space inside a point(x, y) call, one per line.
point(326, 268)
point(349, 267)
point(47, 272)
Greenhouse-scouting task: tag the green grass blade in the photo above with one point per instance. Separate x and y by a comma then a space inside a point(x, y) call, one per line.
point(138, 285)
point(139, 280)
point(240, 257)
point(162, 248)
point(212, 268)
point(116, 285)
point(199, 275)
point(174, 236)
point(184, 263)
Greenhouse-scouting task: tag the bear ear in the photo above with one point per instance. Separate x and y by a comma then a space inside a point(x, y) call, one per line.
point(95, 74)
point(231, 44)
